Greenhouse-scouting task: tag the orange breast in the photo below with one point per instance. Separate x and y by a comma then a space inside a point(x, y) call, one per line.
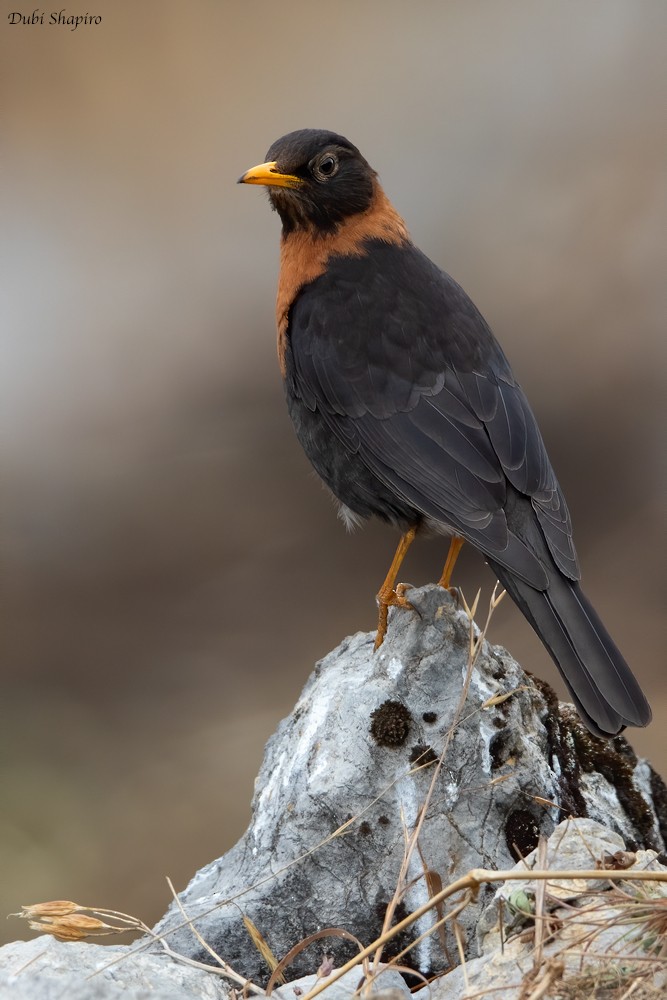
point(304, 254)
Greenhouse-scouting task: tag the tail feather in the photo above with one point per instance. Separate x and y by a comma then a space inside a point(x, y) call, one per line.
point(601, 683)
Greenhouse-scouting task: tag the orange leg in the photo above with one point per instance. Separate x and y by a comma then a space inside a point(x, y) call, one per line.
point(389, 595)
point(455, 547)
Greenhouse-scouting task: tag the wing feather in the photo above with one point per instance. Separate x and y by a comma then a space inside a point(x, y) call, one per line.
point(403, 369)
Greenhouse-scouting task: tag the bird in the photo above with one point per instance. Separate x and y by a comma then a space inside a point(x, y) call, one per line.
point(409, 411)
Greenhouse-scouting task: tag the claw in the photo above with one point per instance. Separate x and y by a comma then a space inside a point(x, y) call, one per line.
point(389, 595)
point(394, 598)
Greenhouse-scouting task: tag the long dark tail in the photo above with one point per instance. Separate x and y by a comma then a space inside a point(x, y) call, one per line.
point(601, 683)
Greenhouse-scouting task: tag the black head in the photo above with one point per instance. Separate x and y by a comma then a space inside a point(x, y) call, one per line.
point(316, 179)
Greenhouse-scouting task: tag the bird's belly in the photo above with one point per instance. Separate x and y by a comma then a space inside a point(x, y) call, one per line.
point(360, 493)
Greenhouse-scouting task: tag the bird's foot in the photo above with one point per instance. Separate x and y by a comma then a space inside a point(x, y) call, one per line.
point(394, 598)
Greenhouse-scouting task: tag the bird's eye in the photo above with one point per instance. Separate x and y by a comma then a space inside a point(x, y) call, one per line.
point(325, 167)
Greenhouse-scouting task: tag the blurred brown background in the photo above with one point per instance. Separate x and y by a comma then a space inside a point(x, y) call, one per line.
point(170, 568)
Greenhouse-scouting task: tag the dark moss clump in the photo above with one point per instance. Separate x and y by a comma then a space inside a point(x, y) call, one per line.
point(659, 794)
point(501, 748)
point(365, 829)
point(422, 754)
point(402, 940)
point(384, 820)
point(577, 751)
point(560, 742)
point(390, 724)
point(522, 832)
point(429, 717)
point(615, 760)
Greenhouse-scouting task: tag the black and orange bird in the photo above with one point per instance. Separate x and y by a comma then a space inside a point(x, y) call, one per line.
point(407, 407)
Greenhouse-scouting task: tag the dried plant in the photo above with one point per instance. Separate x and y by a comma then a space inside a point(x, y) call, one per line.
point(69, 921)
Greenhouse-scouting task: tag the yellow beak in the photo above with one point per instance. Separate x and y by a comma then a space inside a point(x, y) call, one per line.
point(269, 175)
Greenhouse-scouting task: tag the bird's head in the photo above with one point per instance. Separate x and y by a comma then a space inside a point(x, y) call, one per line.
point(316, 180)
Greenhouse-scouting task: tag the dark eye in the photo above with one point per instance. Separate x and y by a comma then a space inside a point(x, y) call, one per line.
point(325, 167)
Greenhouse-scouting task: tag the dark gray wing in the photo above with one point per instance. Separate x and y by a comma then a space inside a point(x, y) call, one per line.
point(404, 370)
